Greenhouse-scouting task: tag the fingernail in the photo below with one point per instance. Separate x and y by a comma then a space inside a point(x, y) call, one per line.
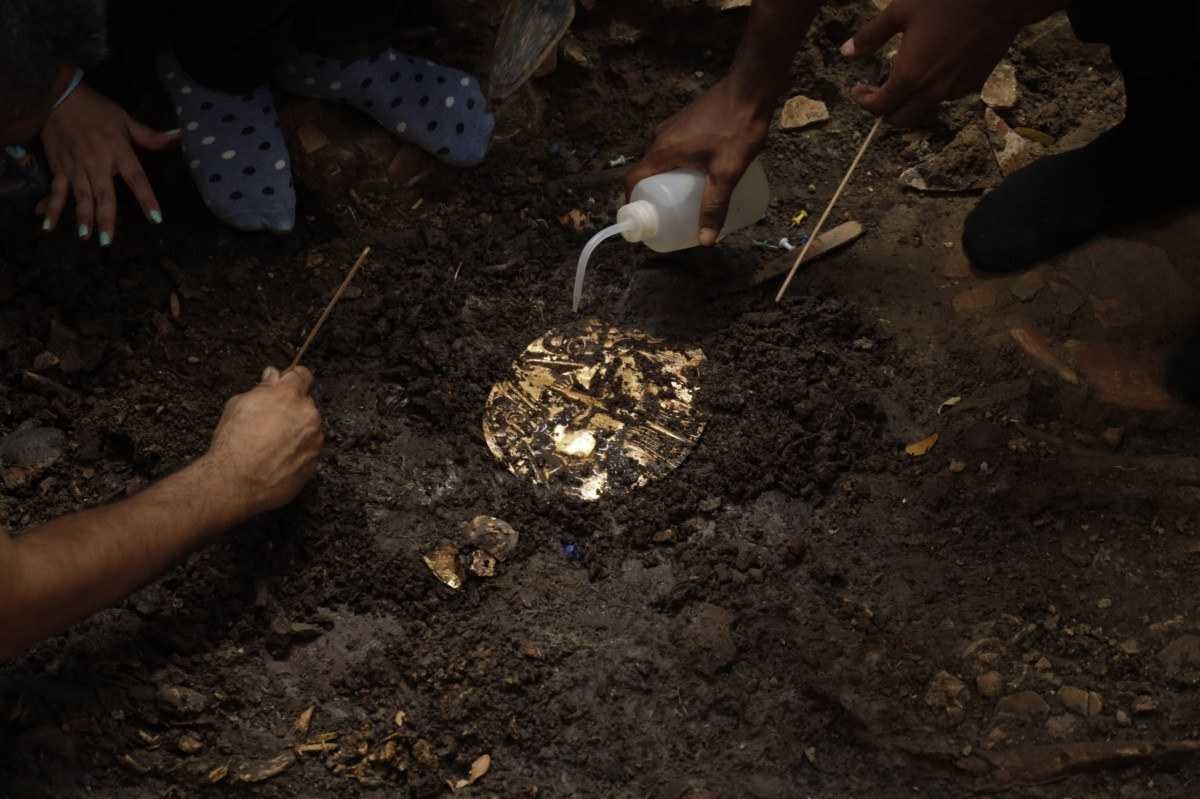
point(84, 231)
point(156, 216)
point(708, 237)
point(174, 131)
point(848, 49)
point(105, 239)
point(46, 225)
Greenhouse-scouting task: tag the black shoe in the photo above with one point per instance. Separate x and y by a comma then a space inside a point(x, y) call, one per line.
point(1061, 201)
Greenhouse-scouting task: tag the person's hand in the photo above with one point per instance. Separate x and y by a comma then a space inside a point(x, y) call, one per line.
point(266, 445)
point(719, 134)
point(89, 140)
point(950, 48)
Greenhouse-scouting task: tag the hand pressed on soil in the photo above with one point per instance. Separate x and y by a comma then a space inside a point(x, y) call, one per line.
point(720, 135)
point(950, 48)
point(90, 140)
point(266, 445)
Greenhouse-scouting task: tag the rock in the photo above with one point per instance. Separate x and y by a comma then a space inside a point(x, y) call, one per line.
point(1001, 90)
point(1181, 658)
point(1123, 718)
point(410, 166)
point(944, 690)
point(1025, 704)
point(801, 112)
point(1104, 604)
point(312, 139)
point(189, 745)
point(184, 701)
point(45, 361)
point(980, 298)
point(1112, 437)
point(623, 33)
point(1085, 703)
point(1012, 150)
point(1027, 286)
point(966, 164)
point(989, 685)
point(708, 631)
point(1130, 646)
point(1063, 726)
point(767, 786)
point(1144, 705)
point(957, 467)
point(33, 448)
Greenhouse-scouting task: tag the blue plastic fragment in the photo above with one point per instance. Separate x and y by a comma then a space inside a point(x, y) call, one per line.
point(572, 552)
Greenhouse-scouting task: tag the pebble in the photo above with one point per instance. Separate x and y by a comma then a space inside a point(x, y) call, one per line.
point(944, 690)
point(801, 112)
point(957, 467)
point(1144, 705)
point(1025, 703)
point(32, 448)
point(1113, 436)
point(1182, 659)
point(990, 684)
point(1123, 718)
point(1130, 646)
point(1063, 726)
point(1085, 703)
point(1104, 604)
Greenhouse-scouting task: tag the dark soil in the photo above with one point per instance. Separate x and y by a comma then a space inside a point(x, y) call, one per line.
point(771, 620)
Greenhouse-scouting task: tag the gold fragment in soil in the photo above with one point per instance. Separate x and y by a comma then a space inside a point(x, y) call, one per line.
point(444, 564)
point(595, 410)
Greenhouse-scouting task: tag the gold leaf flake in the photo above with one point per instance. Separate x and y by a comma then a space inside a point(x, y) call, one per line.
point(922, 447)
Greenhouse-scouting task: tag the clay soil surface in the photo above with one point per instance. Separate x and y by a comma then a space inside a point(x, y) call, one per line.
point(801, 609)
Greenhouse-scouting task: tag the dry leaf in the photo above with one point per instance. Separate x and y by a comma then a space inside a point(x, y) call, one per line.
point(575, 219)
point(950, 403)
point(478, 769)
point(921, 447)
point(400, 718)
point(303, 722)
point(218, 774)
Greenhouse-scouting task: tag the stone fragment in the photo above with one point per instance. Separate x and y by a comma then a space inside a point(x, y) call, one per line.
point(801, 112)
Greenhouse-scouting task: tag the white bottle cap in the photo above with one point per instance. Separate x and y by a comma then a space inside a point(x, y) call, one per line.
point(640, 219)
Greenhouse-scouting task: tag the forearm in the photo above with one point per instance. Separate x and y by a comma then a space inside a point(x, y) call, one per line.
point(71, 567)
point(773, 35)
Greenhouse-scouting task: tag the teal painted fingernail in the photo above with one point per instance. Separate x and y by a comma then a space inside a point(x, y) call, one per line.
point(156, 216)
point(174, 131)
point(105, 239)
point(83, 231)
point(46, 226)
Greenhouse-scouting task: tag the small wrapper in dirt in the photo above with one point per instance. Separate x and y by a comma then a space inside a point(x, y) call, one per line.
point(444, 564)
point(594, 410)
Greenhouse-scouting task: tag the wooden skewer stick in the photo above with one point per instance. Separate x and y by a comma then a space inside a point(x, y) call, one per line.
point(329, 308)
point(836, 196)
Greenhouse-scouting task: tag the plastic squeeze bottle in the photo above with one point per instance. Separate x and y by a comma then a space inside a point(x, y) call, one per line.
point(664, 213)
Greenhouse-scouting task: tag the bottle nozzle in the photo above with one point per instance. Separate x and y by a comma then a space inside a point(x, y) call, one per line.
point(622, 227)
